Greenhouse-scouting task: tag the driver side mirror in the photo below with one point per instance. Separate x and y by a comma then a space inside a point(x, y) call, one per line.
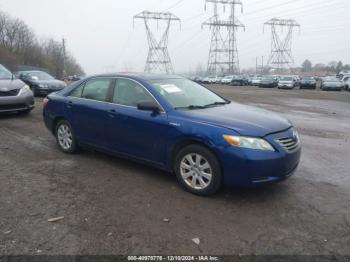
point(148, 106)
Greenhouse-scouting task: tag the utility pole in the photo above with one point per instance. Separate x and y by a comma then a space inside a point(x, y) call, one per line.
point(64, 72)
point(281, 57)
point(158, 59)
point(262, 64)
point(223, 54)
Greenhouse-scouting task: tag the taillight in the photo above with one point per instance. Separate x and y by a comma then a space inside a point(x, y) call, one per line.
point(45, 102)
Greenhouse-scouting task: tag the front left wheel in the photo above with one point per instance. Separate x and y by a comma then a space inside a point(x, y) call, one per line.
point(198, 170)
point(65, 137)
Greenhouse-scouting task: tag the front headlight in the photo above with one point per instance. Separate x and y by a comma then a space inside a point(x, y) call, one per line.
point(249, 142)
point(23, 90)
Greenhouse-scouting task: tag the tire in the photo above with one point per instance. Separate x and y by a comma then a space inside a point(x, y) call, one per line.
point(65, 137)
point(204, 176)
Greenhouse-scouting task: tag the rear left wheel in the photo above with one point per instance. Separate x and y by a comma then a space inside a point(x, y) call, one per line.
point(65, 137)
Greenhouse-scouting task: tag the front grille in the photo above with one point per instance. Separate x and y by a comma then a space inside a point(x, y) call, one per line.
point(288, 143)
point(13, 92)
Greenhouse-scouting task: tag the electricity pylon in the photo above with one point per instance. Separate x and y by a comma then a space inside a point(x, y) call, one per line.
point(281, 48)
point(223, 54)
point(158, 59)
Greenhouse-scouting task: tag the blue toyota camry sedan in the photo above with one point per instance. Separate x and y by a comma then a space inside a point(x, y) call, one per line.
point(177, 125)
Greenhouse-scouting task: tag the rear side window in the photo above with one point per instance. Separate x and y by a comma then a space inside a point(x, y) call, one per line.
point(130, 93)
point(96, 89)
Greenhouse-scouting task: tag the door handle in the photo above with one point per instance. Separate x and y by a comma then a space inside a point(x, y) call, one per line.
point(112, 113)
point(69, 104)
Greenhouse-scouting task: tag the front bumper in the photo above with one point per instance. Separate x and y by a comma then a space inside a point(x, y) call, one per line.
point(17, 103)
point(332, 88)
point(267, 85)
point(245, 167)
point(308, 85)
point(285, 86)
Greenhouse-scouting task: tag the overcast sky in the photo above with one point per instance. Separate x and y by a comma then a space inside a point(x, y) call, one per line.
point(100, 33)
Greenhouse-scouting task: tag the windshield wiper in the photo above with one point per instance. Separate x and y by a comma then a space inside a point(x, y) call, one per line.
point(217, 104)
point(191, 107)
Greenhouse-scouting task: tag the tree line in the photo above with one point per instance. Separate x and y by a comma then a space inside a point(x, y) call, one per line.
point(19, 45)
point(334, 67)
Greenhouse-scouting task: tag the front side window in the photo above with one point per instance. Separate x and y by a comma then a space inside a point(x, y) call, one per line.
point(183, 93)
point(130, 93)
point(96, 89)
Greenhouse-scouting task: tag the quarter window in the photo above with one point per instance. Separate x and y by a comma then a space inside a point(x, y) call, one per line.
point(130, 93)
point(97, 89)
point(77, 91)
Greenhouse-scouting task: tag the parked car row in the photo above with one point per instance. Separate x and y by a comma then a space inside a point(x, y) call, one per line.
point(281, 82)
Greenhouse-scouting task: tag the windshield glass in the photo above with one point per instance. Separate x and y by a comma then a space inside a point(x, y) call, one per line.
point(183, 93)
point(38, 75)
point(4, 73)
point(287, 79)
point(308, 78)
point(332, 79)
point(268, 78)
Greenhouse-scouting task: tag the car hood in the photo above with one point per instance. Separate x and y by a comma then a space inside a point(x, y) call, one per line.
point(246, 120)
point(267, 81)
point(53, 82)
point(7, 85)
point(333, 83)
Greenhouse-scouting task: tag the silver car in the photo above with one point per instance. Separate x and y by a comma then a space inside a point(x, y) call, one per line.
point(15, 96)
point(287, 82)
point(332, 84)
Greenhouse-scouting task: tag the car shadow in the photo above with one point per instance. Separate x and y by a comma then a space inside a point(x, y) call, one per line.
point(251, 194)
point(12, 115)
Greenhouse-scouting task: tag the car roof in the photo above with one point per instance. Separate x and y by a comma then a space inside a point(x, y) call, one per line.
point(144, 76)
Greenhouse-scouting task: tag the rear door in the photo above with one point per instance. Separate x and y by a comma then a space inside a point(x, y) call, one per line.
point(138, 133)
point(86, 109)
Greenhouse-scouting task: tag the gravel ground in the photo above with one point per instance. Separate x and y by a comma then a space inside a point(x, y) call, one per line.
point(113, 206)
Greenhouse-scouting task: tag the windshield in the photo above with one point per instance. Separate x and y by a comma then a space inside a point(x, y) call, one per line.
point(4, 73)
point(183, 93)
point(308, 78)
point(287, 79)
point(37, 75)
point(268, 78)
point(332, 79)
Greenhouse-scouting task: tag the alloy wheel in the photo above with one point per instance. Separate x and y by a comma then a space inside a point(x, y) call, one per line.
point(196, 171)
point(65, 137)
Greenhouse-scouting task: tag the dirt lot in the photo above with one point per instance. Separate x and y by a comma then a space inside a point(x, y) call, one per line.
point(113, 206)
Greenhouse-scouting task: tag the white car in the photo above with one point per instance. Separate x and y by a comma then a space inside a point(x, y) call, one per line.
point(227, 80)
point(256, 81)
point(287, 82)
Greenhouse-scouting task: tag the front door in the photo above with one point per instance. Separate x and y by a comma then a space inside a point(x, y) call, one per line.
point(138, 133)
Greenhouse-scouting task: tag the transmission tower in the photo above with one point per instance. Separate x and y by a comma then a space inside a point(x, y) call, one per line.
point(223, 54)
point(158, 59)
point(281, 44)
